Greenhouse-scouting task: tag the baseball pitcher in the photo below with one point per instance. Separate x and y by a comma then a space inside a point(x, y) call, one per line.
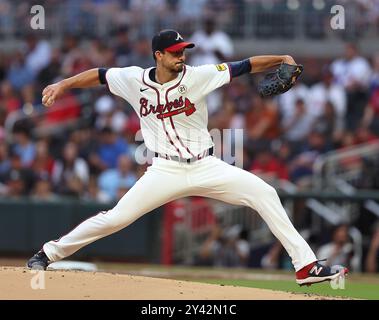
point(170, 100)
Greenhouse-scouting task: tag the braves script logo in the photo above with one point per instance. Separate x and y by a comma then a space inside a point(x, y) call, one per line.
point(170, 109)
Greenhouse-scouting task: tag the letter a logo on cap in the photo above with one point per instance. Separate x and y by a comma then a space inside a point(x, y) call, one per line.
point(178, 37)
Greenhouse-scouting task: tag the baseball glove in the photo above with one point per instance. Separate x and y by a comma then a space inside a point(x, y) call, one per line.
point(279, 81)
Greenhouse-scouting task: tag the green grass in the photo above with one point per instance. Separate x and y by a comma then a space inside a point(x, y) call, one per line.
point(357, 290)
point(357, 285)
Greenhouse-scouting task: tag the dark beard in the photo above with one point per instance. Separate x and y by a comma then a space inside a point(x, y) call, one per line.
point(179, 68)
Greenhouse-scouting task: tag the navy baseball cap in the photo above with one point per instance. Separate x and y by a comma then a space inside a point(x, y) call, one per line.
point(169, 40)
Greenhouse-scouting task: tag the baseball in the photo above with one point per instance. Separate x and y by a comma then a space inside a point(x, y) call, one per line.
point(47, 101)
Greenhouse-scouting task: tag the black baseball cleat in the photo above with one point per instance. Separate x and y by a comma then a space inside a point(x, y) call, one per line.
point(39, 261)
point(316, 272)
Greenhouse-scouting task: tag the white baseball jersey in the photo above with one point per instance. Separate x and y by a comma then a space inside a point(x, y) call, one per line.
point(173, 115)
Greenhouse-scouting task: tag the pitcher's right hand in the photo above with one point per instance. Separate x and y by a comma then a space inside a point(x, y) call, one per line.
point(51, 93)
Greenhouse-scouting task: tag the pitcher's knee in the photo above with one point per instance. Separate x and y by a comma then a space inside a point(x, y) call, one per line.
point(268, 191)
point(112, 219)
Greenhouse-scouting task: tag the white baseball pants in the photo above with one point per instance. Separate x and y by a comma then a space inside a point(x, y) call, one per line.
point(167, 180)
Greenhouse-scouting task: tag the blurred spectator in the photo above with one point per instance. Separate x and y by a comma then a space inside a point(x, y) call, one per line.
point(101, 54)
point(348, 140)
point(352, 162)
point(142, 17)
point(212, 244)
point(64, 112)
point(110, 148)
point(239, 91)
point(122, 46)
point(43, 163)
point(70, 174)
point(3, 66)
point(353, 72)
point(287, 102)
point(374, 82)
point(368, 177)
point(262, 120)
point(225, 247)
point(282, 151)
point(329, 124)
point(3, 116)
point(109, 115)
point(19, 74)
point(372, 258)
point(86, 140)
point(297, 127)
point(5, 162)
point(322, 97)
point(42, 190)
point(301, 168)
point(76, 59)
point(141, 55)
point(189, 10)
point(363, 135)
point(340, 250)
point(15, 184)
point(235, 250)
point(223, 10)
point(242, 246)
point(24, 145)
point(272, 259)
point(28, 96)
point(370, 118)
point(212, 46)
point(70, 45)
point(18, 180)
point(50, 72)
point(227, 118)
point(111, 180)
point(94, 193)
point(268, 167)
point(9, 100)
point(38, 54)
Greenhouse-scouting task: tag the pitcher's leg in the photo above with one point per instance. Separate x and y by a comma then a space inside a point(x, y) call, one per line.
point(236, 186)
point(152, 190)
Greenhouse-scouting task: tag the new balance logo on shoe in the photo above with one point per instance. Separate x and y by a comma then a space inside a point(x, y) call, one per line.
point(315, 270)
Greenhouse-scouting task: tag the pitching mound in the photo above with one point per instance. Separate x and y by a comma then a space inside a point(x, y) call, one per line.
point(18, 283)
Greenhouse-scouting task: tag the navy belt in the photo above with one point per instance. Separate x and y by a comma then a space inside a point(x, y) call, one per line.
point(200, 156)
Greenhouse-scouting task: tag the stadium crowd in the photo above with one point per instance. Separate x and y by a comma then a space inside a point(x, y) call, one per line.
point(84, 145)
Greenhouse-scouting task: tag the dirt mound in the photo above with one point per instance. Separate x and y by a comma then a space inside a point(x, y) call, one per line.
point(21, 283)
